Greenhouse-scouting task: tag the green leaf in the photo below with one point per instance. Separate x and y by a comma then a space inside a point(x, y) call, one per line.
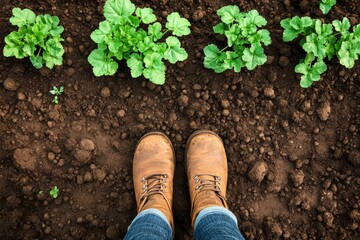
point(346, 58)
point(37, 62)
point(326, 5)
point(146, 15)
point(254, 56)
point(154, 68)
point(214, 59)
point(289, 32)
point(238, 64)
point(315, 45)
point(319, 68)
point(174, 52)
point(356, 31)
point(220, 28)
point(228, 14)
point(295, 26)
point(29, 49)
point(56, 31)
point(178, 25)
point(115, 9)
point(51, 61)
point(22, 17)
point(14, 46)
point(54, 192)
point(306, 81)
point(264, 36)
point(100, 34)
point(54, 48)
point(155, 75)
point(301, 68)
point(154, 31)
point(233, 34)
point(342, 27)
point(256, 18)
point(135, 63)
point(102, 64)
point(310, 74)
point(233, 61)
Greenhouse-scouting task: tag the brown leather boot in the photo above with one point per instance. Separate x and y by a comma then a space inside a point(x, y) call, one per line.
point(153, 174)
point(206, 166)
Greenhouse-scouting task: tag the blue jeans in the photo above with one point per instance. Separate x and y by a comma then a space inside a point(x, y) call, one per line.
point(213, 223)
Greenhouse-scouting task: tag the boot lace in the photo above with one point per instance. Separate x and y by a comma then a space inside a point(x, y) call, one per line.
point(205, 182)
point(153, 184)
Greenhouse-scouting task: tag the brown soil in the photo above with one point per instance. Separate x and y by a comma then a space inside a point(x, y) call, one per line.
point(293, 153)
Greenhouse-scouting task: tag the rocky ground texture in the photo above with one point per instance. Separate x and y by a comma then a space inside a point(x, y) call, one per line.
point(293, 153)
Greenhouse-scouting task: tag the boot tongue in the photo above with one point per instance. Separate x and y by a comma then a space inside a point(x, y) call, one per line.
point(207, 198)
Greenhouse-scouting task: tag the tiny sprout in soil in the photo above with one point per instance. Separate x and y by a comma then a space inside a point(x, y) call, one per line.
point(56, 92)
point(54, 192)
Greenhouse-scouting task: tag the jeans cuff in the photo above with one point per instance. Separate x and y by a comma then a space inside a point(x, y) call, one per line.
point(213, 210)
point(152, 211)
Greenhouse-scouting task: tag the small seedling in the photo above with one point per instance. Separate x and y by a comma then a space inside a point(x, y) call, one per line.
point(122, 36)
point(56, 92)
point(38, 37)
point(321, 42)
point(54, 192)
point(244, 41)
point(326, 5)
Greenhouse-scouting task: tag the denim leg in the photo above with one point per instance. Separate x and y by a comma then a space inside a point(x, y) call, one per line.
point(150, 224)
point(216, 223)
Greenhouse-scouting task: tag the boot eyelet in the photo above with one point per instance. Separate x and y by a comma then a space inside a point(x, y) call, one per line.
point(196, 176)
point(165, 175)
point(197, 187)
point(143, 187)
point(143, 179)
point(218, 178)
point(163, 185)
point(197, 180)
point(164, 181)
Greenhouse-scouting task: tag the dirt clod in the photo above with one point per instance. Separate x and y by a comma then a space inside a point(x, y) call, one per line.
point(105, 92)
point(84, 151)
point(111, 232)
point(354, 157)
point(269, 92)
point(25, 158)
point(284, 61)
point(198, 15)
point(324, 111)
point(258, 171)
point(11, 84)
point(298, 178)
point(183, 100)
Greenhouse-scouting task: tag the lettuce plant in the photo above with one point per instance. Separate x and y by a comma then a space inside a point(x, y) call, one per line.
point(122, 36)
point(244, 41)
point(326, 5)
point(37, 37)
point(320, 41)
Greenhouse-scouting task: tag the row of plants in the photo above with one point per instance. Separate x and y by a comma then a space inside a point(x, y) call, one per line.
point(133, 34)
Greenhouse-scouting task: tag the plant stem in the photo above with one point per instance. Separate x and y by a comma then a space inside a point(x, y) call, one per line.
point(224, 48)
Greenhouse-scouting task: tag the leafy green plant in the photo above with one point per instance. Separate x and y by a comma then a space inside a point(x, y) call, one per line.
point(319, 41)
point(54, 192)
point(122, 36)
point(244, 41)
point(326, 5)
point(56, 92)
point(38, 37)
